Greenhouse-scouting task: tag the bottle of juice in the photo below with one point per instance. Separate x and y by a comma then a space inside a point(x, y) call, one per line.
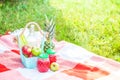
point(43, 63)
point(52, 56)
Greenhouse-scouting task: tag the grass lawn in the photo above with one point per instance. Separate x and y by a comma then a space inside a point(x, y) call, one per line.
point(92, 24)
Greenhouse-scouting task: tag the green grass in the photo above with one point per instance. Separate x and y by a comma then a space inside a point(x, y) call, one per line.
point(92, 24)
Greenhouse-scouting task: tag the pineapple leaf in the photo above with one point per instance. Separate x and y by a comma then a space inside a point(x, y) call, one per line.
point(50, 28)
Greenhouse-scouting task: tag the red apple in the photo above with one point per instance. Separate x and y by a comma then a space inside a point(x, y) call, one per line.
point(30, 55)
point(26, 50)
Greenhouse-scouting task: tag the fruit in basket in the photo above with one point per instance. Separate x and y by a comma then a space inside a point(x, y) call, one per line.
point(54, 66)
point(36, 51)
point(26, 50)
point(30, 55)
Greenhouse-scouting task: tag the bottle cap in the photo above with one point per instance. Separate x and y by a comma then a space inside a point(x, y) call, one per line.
point(43, 56)
point(50, 51)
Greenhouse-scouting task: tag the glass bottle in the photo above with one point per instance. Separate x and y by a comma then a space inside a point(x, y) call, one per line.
point(33, 39)
point(43, 63)
point(52, 56)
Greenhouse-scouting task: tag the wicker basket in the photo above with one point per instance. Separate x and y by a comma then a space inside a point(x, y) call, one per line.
point(32, 61)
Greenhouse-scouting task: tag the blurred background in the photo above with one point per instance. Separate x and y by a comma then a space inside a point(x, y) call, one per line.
point(91, 24)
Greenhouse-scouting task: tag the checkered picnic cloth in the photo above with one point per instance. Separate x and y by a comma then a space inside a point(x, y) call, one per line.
point(75, 62)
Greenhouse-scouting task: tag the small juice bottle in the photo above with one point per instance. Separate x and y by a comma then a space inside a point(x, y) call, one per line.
point(43, 63)
point(52, 56)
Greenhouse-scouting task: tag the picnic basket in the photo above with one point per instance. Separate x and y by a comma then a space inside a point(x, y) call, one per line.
point(28, 62)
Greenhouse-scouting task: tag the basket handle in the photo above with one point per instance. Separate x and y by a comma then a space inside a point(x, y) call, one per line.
point(32, 23)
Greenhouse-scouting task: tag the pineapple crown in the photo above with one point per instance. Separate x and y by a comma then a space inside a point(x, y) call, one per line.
point(49, 28)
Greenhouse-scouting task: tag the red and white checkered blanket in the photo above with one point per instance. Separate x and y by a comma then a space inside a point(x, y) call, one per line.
point(75, 63)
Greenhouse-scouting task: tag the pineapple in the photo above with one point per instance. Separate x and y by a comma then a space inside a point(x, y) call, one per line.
point(48, 45)
point(50, 30)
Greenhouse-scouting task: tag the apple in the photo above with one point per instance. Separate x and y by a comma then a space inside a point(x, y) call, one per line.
point(26, 50)
point(54, 66)
point(30, 55)
point(26, 55)
point(36, 51)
